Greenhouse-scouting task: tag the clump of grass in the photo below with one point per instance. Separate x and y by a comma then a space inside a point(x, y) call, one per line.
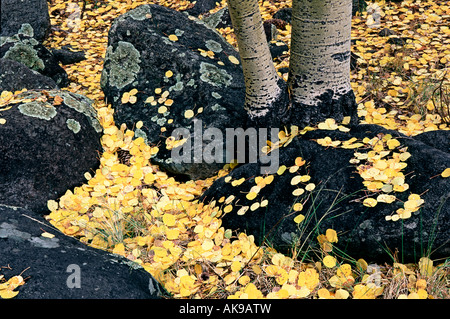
point(441, 99)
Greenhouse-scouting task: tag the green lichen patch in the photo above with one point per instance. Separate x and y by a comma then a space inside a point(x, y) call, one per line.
point(213, 75)
point(73, 125)
point(81, 104)
point(25, 54)
point(140, 13)
point(179, 32)
point(123, 65)
point(26, 29)
point(214, 46)
point(39, 110)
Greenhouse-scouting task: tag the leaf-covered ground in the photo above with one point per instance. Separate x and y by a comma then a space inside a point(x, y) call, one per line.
point(138, 211)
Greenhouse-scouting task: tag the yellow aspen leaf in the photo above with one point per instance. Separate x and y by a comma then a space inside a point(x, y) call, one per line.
point(446, 173)
point(2, 121)
point(299, 161)
point(298, 192)
point(295, 180)
point(305, 178)
point(236, 266)
point(344, 270)
point(169, 74)
point(169, 220)
point(162, 109)
point(52, 205)
point(244, 280)
point(256, 269)
point(299, 218)
point(310, 187)
point(341, 294)
point(421, 284)
point(47, 235)
point(329, 124)
point(57, 100)
point(385, 198)
point(331, 235)
point(293, 169)
point(392, 93)
point(238, 182)
point(172, 234)
point(188, 114)
point(173, 38)
point(229, 199)
point(268, 179)
point(303, 292)
point(329, 261)
point(422, 293)
point(324, 294)
point(198, 229)
point(361, 263)
point(393, 143)
point(233, 59)
point(242, 210)
point(168, 102)
point(8, 294)
point(254, 206)
point(228, 208)
point(297, 207)
point(264, 203)
point(207, 244)
point(251, 195)
point(281, 170)
point(370, 202)
point(119, 249)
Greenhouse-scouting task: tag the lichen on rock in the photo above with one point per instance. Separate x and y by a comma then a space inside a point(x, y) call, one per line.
point(83, 105)
point(213, 46)
point(73, 125)
point(26, 29)
point(124, 65)
point(39, 110)
point(214, 75)
point(25, 54)
point(140, 13)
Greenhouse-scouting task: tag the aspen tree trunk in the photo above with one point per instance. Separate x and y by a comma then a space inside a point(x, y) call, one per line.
point(265, 90)
point(319, 66)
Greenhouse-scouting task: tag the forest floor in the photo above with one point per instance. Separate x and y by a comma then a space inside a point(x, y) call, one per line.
point(179, 240)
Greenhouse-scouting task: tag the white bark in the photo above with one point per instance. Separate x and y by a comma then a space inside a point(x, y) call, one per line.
point(261, 79)
point(320, 49)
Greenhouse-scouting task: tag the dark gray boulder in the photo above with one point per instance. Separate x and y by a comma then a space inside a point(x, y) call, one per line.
point(15, 76)
point(15, 13)
point(336, 201)
point(62, 267)
point(159, 51)
point(23, 48)
point(67, 55)
point(46, 148)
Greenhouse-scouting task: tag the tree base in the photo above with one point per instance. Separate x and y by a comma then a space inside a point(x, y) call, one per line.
point(329, 107)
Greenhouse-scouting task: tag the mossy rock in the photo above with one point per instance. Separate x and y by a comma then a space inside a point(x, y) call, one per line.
point(62, 267)
point(337, 200)
point(47, 143)
point(14, 14)
point(23, 48)
point(168, 55)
